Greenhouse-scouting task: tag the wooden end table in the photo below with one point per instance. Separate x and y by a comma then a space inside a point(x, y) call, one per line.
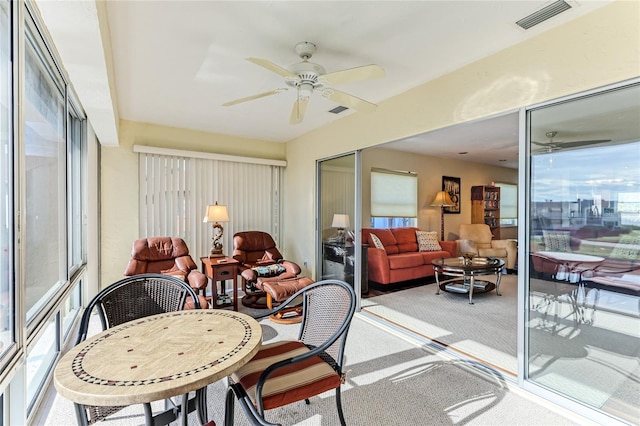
point(221, 269)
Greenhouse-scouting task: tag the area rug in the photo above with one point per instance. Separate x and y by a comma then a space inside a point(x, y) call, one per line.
point(485, 330)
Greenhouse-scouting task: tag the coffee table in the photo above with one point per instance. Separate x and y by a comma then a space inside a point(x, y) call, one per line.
point(466, 273)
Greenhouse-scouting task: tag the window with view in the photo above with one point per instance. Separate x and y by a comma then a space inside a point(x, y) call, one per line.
point(6, 194)
point(45, 163)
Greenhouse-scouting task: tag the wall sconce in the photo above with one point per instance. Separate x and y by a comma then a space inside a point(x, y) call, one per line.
point(340, 221)
point(442, 200)
point(215, 214)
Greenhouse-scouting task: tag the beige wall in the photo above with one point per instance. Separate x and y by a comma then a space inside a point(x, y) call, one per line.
point(119, 165)
point(430, 171)
point(598, 49)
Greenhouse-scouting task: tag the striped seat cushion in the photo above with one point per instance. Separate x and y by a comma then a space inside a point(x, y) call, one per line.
point(289, 384)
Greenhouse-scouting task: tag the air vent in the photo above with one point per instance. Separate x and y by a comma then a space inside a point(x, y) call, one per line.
point(338, 109)
point(543, 14)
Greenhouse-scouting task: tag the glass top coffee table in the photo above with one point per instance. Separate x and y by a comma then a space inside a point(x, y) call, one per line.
point(466, 271)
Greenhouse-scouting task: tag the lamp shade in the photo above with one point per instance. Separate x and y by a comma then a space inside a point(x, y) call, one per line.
point(442, 199)
point(216, 213)
point(340, 221)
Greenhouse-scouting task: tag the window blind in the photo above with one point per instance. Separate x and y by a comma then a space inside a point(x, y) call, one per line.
point(508, 200)
point(175, 191)
point(394, 194)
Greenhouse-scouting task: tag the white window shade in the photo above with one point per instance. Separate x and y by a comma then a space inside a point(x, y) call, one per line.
point(508, 200)
point(394, 194)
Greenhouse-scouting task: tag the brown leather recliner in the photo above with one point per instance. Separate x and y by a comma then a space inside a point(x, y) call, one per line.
point(169, 256)
point(260, 262)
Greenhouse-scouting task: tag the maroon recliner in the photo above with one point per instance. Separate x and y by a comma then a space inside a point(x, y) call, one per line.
point(168, 256)
point(260, 262)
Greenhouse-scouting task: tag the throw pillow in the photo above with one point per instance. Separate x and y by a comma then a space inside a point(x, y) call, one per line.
point(269, 271)
point(428, 241)
point(628, 247)
point(376, 241)
point(557, 241)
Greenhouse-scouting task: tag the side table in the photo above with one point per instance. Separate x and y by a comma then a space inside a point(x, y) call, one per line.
point(221, 269)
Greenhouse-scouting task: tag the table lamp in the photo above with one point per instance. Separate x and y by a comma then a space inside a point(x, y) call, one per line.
point(340, 221)
point(215, 214)
point(442, 200)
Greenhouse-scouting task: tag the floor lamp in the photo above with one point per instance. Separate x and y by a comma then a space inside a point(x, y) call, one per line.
point(442, 200)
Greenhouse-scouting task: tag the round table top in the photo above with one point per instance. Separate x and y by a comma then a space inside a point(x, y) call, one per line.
point(570, 257)
point(478, 264)
point(157, 357)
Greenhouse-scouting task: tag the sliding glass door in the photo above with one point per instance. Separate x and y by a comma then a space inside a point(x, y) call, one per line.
point(338, 218)
point(583, 233)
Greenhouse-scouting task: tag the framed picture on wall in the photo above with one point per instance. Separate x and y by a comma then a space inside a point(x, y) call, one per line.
point(452, 186)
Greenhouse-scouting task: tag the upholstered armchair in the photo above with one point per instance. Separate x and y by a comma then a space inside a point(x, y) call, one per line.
point(476, 238)
point(260, 261)
point(168, 256)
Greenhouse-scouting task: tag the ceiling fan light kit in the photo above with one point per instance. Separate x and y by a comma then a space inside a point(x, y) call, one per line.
point(306, 77)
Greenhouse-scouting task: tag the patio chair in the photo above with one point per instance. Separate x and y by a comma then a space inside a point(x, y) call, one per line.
point(129, 299)
point(294, 370)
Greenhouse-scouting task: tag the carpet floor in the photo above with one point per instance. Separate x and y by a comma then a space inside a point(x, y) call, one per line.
point(583, 345)
point(391, 380)
point(485, 330)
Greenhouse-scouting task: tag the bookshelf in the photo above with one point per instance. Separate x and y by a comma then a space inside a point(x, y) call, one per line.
point(485, 207)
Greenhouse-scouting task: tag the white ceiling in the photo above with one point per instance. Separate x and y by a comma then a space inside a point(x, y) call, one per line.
point(176, 62)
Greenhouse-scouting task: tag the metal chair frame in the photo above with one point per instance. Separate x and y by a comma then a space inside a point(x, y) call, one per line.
point(115, 305)
point(326, 349)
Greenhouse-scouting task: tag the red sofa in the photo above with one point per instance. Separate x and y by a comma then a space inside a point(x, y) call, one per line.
point(400, 260)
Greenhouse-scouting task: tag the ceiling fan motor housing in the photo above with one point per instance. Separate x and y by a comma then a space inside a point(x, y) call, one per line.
point(308, 73)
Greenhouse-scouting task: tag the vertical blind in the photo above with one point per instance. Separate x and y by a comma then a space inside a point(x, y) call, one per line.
point(338, 194)
point(394, 194)
point(175, 191)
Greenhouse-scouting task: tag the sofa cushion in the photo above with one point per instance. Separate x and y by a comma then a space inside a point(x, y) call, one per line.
point(428, 241)
point(493, 252)
point(430, 256)
point(405, 260)
point(376, 241)
point(467, 246)
point(387, 238)
point(405, 239)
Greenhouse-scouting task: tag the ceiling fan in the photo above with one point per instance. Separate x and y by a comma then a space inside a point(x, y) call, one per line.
point(556, 145)
point(307, 77)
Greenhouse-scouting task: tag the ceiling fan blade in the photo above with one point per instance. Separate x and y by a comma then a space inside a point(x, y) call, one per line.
point(299, 108)
point(366, 72)
point(560, 144)
point(349, 101)
point(273, 67)
point(250, 98)
point(579, 143)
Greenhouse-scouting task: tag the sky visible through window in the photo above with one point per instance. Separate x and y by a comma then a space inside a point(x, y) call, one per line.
point(608, 175)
